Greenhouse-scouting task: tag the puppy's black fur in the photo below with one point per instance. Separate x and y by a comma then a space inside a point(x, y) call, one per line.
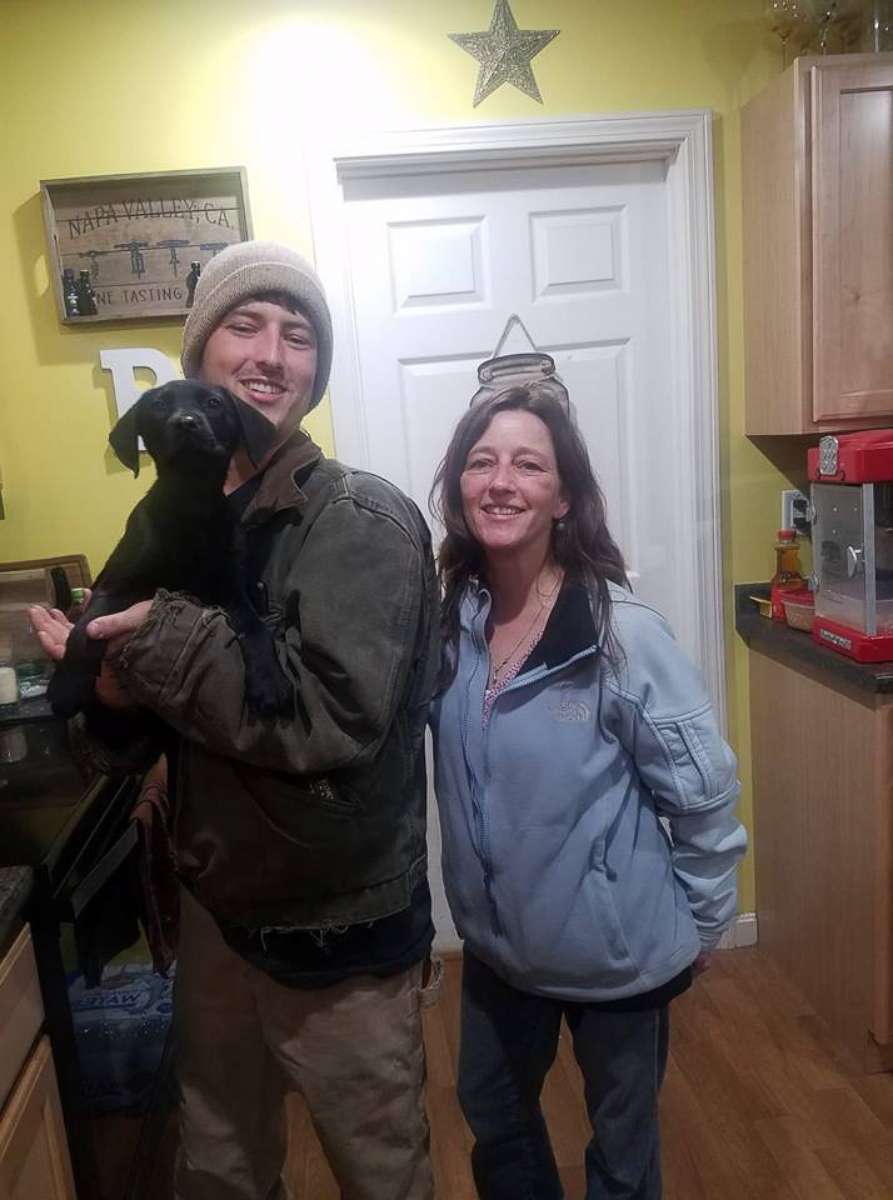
point(182, 536)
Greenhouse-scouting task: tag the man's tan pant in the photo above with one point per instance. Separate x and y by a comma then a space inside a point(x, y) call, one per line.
point(354, 1051)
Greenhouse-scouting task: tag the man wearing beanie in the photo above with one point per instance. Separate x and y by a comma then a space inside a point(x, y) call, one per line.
point(305, 913)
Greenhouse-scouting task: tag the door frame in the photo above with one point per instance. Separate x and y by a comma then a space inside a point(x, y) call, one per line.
point(682, 139)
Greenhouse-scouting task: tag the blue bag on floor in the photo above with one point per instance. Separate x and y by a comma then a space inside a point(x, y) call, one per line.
point(120, 1029)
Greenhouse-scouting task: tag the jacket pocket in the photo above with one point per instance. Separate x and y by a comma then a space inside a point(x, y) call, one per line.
point(572, 937)
point(296, 807)
point(703, 764)
point(337, 800)
point(602, 882)
point(431, 982)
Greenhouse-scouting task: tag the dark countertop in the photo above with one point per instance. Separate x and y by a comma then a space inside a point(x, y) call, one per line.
point(37, 709)
point(772, 636)
point(37, 771)
point(15, 888)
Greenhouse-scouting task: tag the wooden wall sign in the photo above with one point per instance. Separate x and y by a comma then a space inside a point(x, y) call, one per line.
point(136, 237)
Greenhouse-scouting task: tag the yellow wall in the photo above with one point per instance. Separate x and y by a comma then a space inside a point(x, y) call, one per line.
point(106, 86)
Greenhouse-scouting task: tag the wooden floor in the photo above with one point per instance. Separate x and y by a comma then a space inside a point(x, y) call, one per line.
point(755, 1105)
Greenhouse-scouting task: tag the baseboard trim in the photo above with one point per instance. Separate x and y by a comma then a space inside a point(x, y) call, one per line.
point(742, 932)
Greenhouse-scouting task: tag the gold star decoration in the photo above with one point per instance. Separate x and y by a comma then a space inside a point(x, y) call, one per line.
point(505, 52)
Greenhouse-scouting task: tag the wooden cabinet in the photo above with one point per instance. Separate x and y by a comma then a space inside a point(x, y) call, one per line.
point(817, 186)
point(21, 1010)
point(34, 1161)
point(822, 754)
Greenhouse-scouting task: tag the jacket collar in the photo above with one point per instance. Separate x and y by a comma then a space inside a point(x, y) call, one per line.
point(569, 631)
point(279, 487)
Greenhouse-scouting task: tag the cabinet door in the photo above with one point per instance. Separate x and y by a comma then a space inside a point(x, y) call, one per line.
point(882, 958)
point(21, 1010)
point(34, 1162)
point(852, 178)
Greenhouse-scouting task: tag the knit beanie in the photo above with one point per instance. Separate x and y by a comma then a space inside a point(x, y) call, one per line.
point(246, 269)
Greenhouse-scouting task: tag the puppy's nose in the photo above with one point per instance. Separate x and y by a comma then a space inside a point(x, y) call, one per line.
point(186, 419)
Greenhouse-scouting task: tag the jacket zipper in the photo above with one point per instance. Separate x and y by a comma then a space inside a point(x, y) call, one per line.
point(473, 711)
point(477, 808)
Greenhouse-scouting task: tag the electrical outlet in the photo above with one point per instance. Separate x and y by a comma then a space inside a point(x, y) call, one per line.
point(794, 505)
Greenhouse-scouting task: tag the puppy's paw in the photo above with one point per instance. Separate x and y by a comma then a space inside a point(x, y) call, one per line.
point(269, 693)
point(70, 692)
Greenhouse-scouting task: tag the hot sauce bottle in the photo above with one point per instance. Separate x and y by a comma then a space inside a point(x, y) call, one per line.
point(788, 576)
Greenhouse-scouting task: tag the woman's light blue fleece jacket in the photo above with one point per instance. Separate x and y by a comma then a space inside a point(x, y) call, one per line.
point(559, 874)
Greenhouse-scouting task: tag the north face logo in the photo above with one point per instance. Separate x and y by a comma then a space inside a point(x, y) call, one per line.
point(569, 708)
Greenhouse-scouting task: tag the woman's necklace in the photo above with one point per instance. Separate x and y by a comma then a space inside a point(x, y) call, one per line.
point(545, 602)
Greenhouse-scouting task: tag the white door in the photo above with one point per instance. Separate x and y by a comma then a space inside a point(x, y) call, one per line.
point(439, 262)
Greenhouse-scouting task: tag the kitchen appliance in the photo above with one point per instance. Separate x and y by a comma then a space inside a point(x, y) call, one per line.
point(852, 541)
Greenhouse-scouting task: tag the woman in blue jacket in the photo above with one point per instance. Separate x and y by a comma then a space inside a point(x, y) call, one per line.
point(568, 724)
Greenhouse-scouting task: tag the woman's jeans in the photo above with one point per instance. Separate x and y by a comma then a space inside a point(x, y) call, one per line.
point(509, 1042)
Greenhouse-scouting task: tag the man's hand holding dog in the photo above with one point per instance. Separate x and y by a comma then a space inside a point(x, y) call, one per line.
point(53, 627)
point(116, 628)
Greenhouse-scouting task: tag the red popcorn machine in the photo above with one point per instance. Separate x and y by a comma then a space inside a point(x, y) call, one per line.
point(852, 541)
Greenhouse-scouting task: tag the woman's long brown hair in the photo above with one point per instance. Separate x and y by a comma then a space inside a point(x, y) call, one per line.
point(581, 544)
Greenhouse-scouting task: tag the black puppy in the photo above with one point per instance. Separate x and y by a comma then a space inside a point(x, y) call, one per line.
point(182, 536)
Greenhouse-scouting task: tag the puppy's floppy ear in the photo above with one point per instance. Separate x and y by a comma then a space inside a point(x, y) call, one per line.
point(124, 438)
point(258, 434)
